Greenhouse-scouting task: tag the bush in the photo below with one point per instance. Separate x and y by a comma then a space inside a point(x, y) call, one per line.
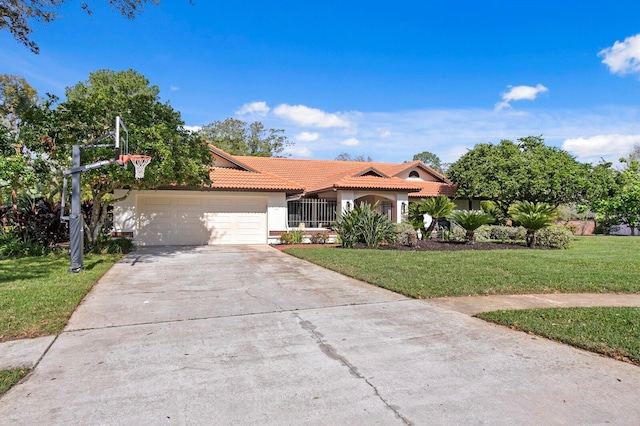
point(470, 220)
point(483, 234)
point(458, 233)
point(107, 244)
point(295, 236)
point(406, 235)
point(556, 237)
point(364, 224)
point(507, 233)
point(320, 238)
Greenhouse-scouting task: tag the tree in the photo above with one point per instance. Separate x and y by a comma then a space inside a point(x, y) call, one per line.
point(437, 207)
point(344, 156)
point(16, 167)
point(240, 138)
point(524, 171)
point(470, 220)
point(16, 14)
point(623, 206)
point(179, 156)
point(430, 159)
point(533, 217)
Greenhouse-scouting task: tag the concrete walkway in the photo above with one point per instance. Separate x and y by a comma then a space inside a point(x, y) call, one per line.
point(248, 335)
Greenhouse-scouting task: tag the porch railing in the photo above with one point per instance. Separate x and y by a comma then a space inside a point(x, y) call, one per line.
point(314, 213)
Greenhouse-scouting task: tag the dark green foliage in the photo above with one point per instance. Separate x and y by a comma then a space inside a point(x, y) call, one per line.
point(470, 220)
point(533, 217)
point(32, 227)
point(437, 207)
point(108, 245)
point(622, 205)
point(364, 224)
point(240, 138)
point(430, 159)
point(526, 171)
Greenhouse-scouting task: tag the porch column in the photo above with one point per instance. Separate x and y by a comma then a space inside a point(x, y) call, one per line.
point(345, 201)
point(402, 206)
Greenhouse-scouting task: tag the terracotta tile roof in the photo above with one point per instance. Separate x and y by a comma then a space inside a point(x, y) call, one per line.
point(320, 175)
point(236, 179)
point(433, 189)
point(366, 182)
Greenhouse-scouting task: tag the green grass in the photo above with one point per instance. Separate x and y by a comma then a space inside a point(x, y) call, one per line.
point(610, 331)
point(592, 264)
point(38, 295)
point(9, 378)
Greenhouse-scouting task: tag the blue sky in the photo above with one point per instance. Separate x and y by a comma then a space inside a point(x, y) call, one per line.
point(382, 79)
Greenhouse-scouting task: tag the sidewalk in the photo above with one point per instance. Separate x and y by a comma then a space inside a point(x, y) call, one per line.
point(472, 305)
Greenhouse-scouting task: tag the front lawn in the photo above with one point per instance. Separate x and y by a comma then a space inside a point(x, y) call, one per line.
point(592, 264)
point(38, 295)
point(609, 331)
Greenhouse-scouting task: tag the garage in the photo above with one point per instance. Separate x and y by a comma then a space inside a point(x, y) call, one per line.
point(200, 219)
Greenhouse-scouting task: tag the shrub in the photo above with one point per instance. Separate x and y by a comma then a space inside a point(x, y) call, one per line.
point(507, 233)
point(483, 233)
point(364, 224)
point(470, 220)
point(556, 237)
point(534, 217)
point(406, 235)
point(319, 238)
point(294, 236)
point(457, 233)
point(11, 245)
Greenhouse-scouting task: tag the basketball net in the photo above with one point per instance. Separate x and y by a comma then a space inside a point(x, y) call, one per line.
point(140, 163)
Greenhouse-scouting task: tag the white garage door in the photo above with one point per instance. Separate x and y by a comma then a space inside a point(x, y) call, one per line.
point(200, 220)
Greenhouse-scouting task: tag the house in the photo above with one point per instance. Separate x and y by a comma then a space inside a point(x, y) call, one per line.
point(253, 200)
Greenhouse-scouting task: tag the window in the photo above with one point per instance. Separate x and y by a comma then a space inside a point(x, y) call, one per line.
point(414, 174)
point(313, 213)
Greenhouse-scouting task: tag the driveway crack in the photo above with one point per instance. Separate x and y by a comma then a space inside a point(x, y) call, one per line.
point(332, 353)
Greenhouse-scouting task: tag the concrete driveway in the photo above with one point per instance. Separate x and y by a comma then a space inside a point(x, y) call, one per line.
point(249, 335)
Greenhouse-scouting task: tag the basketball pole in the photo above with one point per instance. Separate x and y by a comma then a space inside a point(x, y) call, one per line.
point(76, 221)
point(75, 218)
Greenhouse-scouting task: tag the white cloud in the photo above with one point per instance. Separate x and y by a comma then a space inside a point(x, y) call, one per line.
point(623, 57)
point(174, 88)
point(592, 149)
point(351, 142)
point(518, 93)
point(298, 151)
point(307, 136)
point(384, 133)
point(193, 128)
point(257, 108)
point(311, 117)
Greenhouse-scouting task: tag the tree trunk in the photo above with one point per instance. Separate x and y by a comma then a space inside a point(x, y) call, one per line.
point(470, 237)
point(531, 238)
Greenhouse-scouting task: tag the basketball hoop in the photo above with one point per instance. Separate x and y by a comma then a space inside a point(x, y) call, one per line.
point(140, 162)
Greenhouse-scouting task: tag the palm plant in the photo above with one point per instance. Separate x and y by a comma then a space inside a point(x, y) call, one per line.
point(470, 220)
point(533, 217)
point(437, 207)
point(364, 224)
